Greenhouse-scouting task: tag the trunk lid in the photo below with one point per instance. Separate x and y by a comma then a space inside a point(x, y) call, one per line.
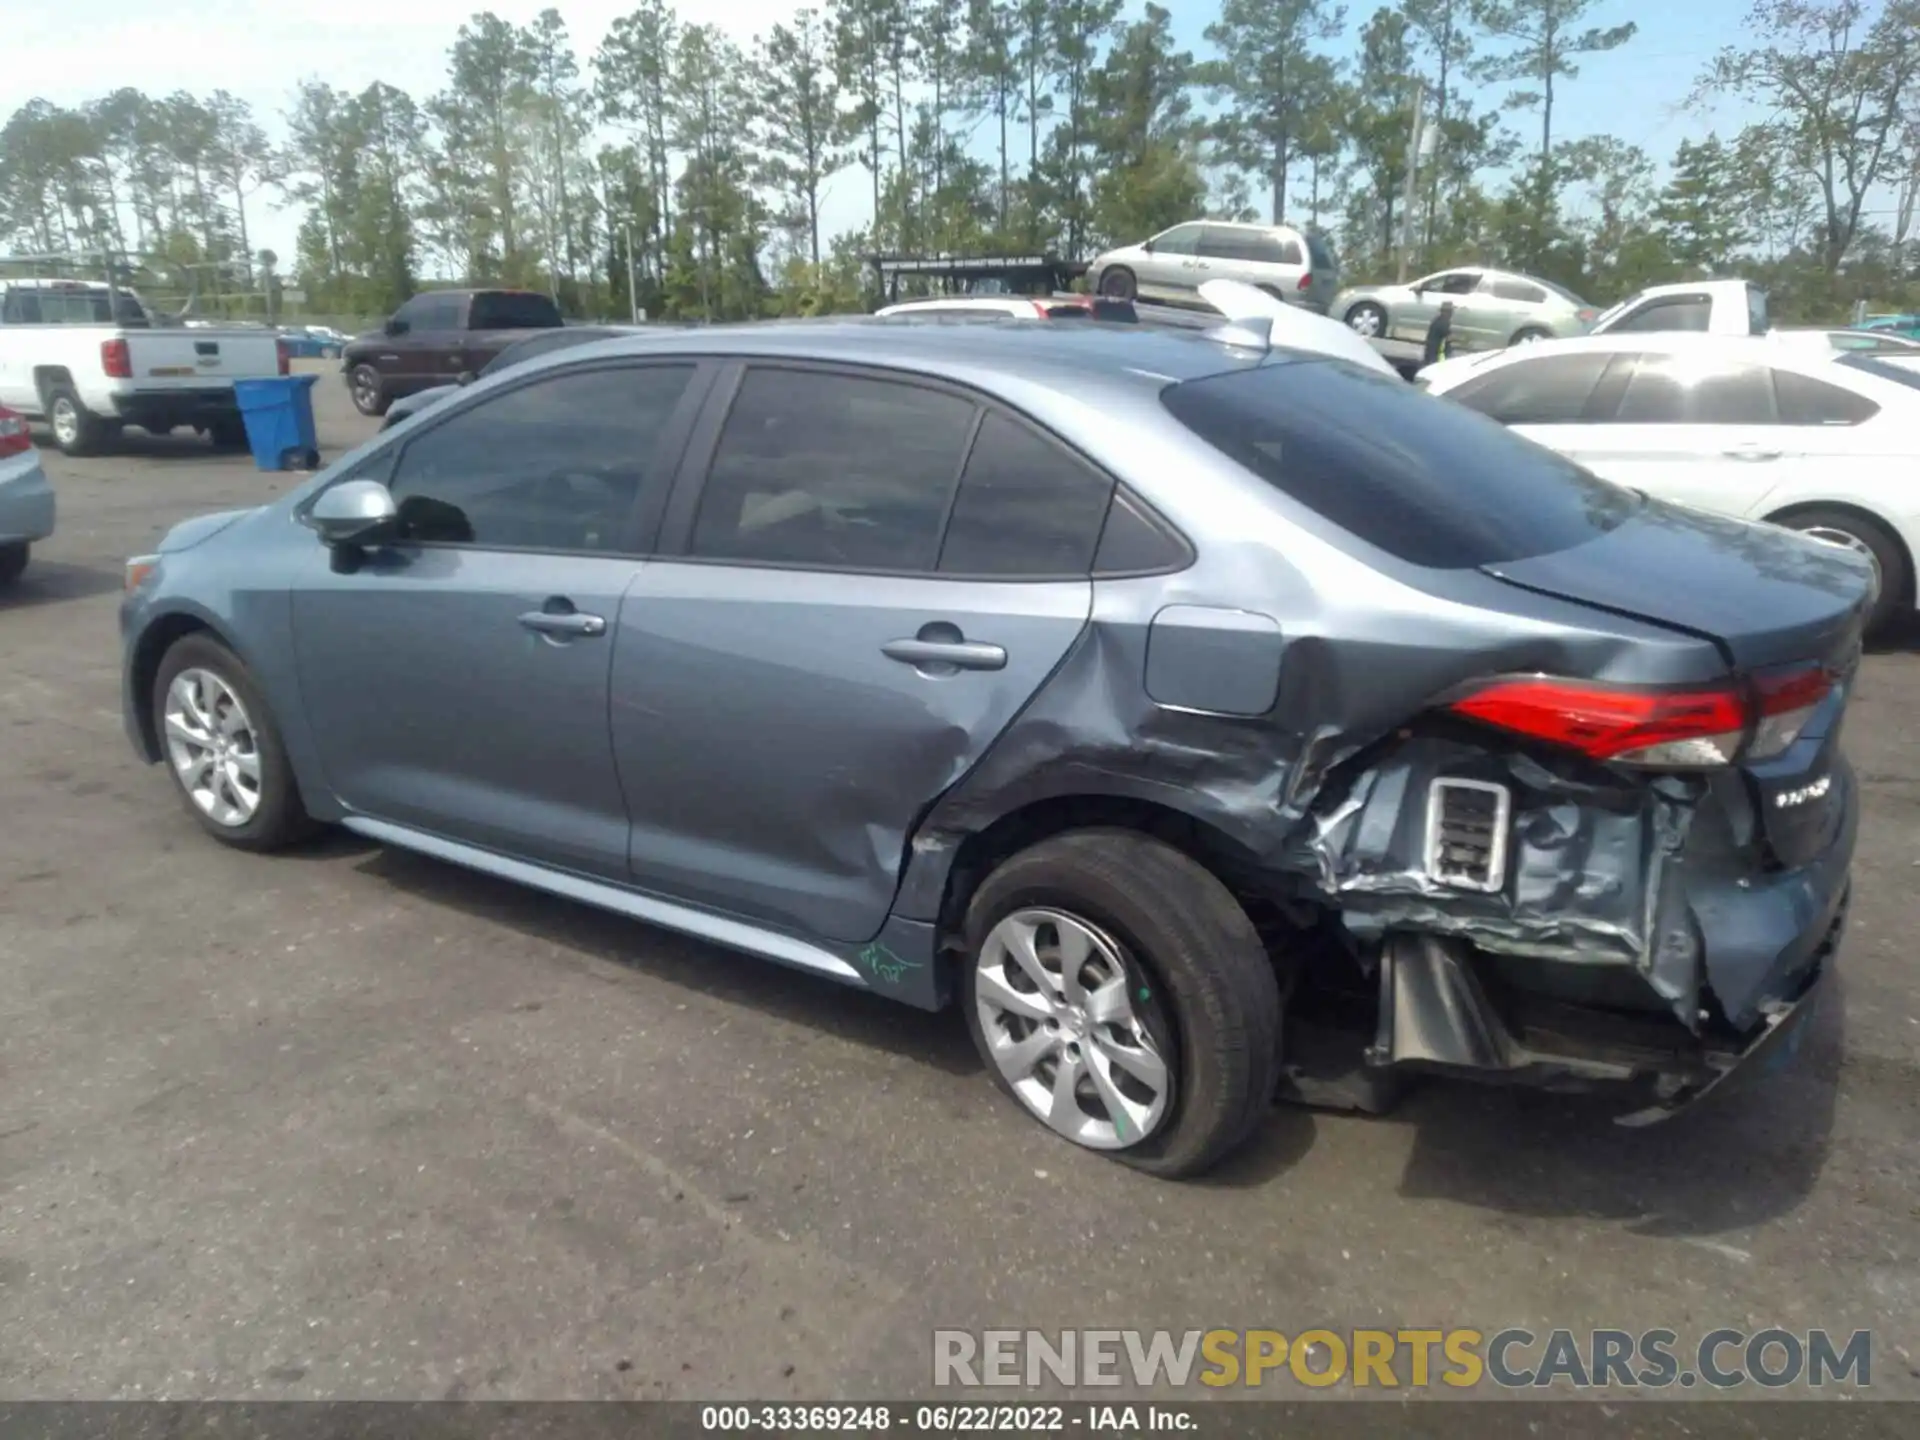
point(199, 359)
point(1764, 595)
point(1767, 598)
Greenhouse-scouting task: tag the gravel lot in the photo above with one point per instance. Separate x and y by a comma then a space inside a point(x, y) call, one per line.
point(352, 1123)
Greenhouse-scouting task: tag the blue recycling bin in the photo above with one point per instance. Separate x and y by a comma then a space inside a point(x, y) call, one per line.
point(278, 414)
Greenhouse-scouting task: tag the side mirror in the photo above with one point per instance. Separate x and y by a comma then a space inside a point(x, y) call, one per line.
point(466, 377)
point(395, 326)
point(1147, 245)
point(354, 512)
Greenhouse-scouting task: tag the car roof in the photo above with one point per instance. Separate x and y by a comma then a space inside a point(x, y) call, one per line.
point(994, 355)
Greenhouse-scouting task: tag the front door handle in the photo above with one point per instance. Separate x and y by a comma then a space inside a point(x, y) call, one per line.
point(961, 654)
point(1751, 452)
point(564, 623)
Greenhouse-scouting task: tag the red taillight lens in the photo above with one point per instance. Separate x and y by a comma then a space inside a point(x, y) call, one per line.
point(115, 360)
point(14, 439)
point(1306, 281)
point(1660, 729)
point(280, 355)
point(1586, 317)
point(1663, 728)
point(1787, 699)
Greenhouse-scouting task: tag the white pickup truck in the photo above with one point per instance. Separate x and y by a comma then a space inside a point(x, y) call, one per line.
point(1713, 307)
point(88, 359)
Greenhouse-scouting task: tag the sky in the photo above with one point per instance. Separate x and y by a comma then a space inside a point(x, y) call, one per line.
point(261, 49)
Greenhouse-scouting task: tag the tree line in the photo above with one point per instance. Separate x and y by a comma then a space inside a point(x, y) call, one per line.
point(700, 165)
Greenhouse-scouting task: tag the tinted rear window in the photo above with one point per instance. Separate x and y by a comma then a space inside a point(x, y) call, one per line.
point(1897, 371)
point(512, 310)
point(1424, 480)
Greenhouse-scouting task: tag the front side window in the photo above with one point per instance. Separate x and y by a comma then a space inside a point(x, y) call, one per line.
point(1181, 240)
point(513, 310)
point(557, 464)
point(1682, 312)
point(1026, 507)
point(1452, 282)
point(833, 471)
point(1536, 389)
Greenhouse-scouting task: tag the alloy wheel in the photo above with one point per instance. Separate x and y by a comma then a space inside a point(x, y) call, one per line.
point(1057, 1006)
point(213, 747)
point(66, 421)
point(1363, 320)
point(366, 389)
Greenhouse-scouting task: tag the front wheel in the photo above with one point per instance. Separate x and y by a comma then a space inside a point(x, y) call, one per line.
point(1367, 319)
point(224, 750)
point(369, 393)
point(76, 429)
point(1870, 540)
point(1119, 993)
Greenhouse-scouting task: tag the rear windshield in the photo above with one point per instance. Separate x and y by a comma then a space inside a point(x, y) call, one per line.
point(1429, 482)
point(512, 310)
point(1318, 253)
point(1901, 371)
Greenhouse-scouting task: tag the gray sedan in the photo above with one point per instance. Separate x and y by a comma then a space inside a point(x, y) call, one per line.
point(1117, 685)
point(26, 499)
point(1492, 309)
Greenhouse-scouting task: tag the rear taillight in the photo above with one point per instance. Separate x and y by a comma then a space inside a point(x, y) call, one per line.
point(1306, 281)
point(1786, 699)
point(14, 439)
point(115, 360)
point(1658, 729)
point(280, 355)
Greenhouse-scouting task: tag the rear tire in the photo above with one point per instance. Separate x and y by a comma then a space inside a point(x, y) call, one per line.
point(228, 435)
point(1366, 319)
point(1530, 335)
point(368, 390)
point(223, 749)
point(1194, 978)
point(1118, 283)
point(1856, 532)
point(13, 561)
point(76, 429)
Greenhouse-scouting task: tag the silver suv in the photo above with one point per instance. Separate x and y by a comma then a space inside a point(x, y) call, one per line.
point(1295, 265)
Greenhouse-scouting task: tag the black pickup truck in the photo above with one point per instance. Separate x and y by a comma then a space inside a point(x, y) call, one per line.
point(436, 337)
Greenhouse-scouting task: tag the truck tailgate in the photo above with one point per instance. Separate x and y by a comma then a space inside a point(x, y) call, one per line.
point(197, 359)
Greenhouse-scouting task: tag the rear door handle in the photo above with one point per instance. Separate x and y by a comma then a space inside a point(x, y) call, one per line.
point(1752, 452)
point(564, 623)
point(962, 654)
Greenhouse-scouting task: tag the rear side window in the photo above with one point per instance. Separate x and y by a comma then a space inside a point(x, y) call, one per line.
point(1519, 290)
point(1542, 390)
point(839, 472)
point(1026, 507)
point(1804, 400)
point(1682, 312)
point(1431, 483)
point(1680, 390)
point(513, 310)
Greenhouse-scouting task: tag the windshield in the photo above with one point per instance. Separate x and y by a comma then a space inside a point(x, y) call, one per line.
point(1430, 482)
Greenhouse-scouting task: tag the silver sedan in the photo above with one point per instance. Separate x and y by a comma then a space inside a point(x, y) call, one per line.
point(1492, 309)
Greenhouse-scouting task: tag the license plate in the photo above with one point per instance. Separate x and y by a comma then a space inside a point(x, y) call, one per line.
point(171, 370)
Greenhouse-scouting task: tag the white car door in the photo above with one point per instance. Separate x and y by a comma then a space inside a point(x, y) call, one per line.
point(1698, 429)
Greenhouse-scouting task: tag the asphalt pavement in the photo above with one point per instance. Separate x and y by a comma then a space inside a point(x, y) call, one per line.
point(352, 1123)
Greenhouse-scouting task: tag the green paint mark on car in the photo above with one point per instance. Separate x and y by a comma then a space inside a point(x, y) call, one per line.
point(884, 964)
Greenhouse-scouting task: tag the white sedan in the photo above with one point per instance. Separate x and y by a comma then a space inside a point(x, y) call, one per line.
point(1821, 443)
